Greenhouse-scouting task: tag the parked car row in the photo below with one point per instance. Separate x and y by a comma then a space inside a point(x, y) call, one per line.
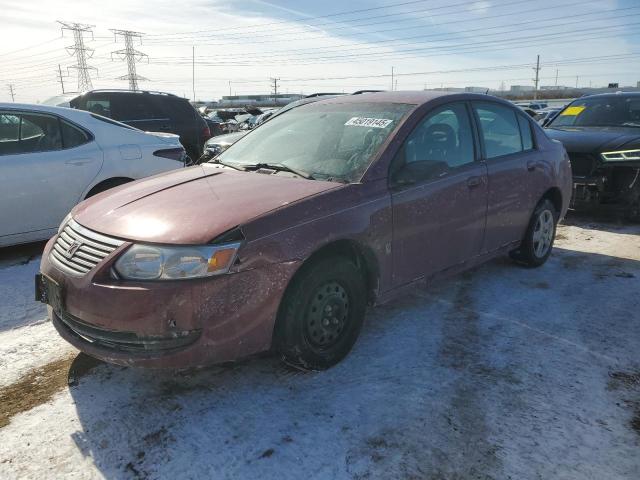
point(282, 240)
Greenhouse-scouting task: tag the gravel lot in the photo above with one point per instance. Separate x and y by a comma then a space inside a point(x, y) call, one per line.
point(503, 372)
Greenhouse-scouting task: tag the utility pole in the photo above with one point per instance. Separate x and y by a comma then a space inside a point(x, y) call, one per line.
point(392, 79)
point(556, 77)
point(61, 78)
point(131, 55)
point(577, 77)
point(12, 92)
point(193, 71)
point(229, 87)
point(275, 81)
point(537, 79)
point(81, 52)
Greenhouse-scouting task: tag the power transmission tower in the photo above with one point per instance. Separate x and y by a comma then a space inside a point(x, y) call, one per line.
point(60, 78)
point(81, 52)
point(275, 81)
point(131, 55)
point(12, 92)
point(537, 79)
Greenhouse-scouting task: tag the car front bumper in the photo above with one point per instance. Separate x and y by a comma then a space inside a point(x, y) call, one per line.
point(175, 324)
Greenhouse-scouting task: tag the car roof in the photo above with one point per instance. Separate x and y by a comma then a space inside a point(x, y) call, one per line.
point(417, 98)
point(611, 94)
point(39, 107)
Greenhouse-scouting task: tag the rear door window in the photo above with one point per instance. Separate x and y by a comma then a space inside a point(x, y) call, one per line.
point(39, 133)
point(100, 107)
point(499, 128)
point(525, 133)
point(72, 136)
point(9, 133)
point(135, 107)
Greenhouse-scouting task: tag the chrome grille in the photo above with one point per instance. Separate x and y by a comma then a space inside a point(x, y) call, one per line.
point(77, 249)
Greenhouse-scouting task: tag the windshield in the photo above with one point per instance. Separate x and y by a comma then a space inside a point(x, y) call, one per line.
point(618, 111)
point(328, 141)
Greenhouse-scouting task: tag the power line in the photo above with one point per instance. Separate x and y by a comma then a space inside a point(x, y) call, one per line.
point(81, 52)
point(131, 55)
point(307, 19)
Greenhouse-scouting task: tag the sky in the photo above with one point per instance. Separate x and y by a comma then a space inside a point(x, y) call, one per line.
point(327, 46)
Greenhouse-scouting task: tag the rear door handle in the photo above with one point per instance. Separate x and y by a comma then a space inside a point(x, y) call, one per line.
point(531, 165)
point(473, 181)
point(78, 161)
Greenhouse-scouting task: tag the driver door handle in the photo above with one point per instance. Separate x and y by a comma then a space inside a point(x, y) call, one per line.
point(474, 181)
point(532, 165)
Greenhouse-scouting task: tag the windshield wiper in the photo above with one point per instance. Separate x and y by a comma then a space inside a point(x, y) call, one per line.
point(215, 160)
point(280, 167)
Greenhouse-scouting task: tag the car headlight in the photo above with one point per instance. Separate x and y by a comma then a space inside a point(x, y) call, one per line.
point(149, 262)
point(64, 222)
point(621, 156)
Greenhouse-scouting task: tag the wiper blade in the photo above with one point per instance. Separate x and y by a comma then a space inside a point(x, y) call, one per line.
point(215, 160)
point(281, 167)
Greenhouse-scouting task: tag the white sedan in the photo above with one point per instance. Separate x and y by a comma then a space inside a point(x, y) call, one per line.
point(51, 158)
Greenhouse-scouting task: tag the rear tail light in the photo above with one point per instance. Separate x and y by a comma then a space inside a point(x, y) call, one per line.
point(177, 154)
point(206, 133)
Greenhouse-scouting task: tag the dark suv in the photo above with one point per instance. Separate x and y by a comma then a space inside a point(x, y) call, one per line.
point(149, 111)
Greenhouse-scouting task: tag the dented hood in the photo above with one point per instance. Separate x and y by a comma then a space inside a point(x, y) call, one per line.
point(193, 205)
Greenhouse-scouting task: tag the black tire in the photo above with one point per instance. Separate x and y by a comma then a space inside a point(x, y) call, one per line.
point(537, 244)
point(321, 314)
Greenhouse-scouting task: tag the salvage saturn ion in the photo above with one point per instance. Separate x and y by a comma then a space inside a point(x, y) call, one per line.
point(283, 240)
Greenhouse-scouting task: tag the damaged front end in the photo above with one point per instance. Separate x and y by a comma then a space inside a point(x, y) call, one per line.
point(608, 180)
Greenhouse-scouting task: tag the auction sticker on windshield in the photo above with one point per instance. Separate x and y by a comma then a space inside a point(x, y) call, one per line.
point(573, 111)
point(369, 122)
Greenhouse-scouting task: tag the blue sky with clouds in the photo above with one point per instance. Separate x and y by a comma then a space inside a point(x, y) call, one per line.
point(240, 44)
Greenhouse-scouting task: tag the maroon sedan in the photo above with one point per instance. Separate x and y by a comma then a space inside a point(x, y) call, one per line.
point(283, 240)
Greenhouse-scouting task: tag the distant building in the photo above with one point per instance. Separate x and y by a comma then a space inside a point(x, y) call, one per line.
point(521, 88)
point(638, 85)
point(447, 89)
point(475, 89)
point(258, 100)
point(555, 87)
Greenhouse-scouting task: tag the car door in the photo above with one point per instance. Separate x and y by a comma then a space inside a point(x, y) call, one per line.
point(511, 158)
point(45, 171)
point(439, 195)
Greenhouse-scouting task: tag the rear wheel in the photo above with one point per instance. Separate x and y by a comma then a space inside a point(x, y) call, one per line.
point(538, 240)
point(321, 314)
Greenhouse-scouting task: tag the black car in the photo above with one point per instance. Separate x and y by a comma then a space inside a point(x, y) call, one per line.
point(601, 133)
point(149, 111)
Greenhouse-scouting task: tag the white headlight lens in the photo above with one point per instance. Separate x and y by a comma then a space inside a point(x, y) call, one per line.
point(621, 156)
point(147, 262)
point(64, 222)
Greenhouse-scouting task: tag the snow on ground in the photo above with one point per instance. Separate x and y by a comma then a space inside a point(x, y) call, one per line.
point(503, 372)
point(27, 339)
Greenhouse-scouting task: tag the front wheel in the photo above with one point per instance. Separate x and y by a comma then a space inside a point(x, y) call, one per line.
point(538, 240)
point(321, 314)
